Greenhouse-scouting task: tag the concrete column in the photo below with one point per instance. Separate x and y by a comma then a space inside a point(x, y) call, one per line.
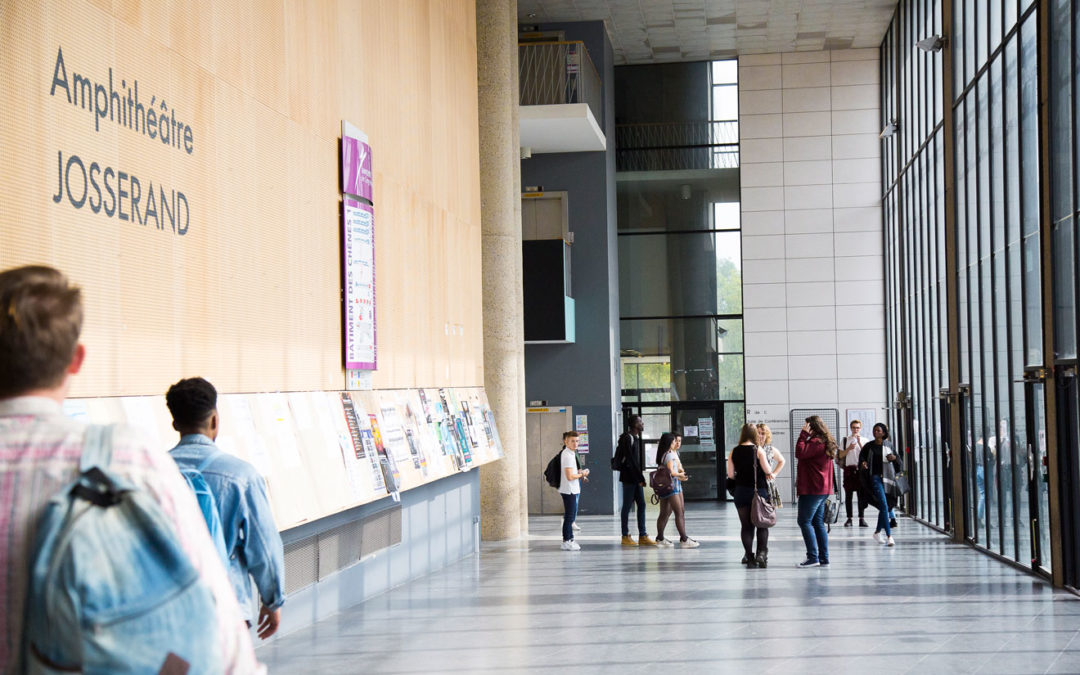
point(503, 496)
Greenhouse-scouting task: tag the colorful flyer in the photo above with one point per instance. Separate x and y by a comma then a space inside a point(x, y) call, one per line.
point(359, 296)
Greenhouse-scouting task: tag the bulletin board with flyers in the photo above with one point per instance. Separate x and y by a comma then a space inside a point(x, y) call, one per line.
point(324, 452)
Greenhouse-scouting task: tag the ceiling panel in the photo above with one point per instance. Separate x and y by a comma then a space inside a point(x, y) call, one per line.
point(659, 31)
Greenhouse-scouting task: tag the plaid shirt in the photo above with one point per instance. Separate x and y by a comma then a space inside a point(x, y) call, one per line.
point(39, 454)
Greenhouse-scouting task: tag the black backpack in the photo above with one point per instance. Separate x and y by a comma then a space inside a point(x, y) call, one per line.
point(619, 460)
point(553, 472)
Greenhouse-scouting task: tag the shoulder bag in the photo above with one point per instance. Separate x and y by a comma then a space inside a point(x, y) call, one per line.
point(832, 502)
point(762, 512)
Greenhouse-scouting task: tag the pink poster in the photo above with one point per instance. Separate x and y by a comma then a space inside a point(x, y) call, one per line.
point(356, 168)
point(359, 262)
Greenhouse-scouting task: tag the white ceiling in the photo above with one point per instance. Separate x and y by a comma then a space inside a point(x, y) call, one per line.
point(659, 31)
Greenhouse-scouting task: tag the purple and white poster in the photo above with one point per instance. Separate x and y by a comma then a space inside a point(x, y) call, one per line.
point(359, 262)
point(355, 163)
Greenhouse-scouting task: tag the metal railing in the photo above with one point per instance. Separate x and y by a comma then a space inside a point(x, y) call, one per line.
point(555, 73)
point(672, 146)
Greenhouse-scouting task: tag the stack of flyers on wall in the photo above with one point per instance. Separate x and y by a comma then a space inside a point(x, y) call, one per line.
point(386, 461)
point(373, 455)
point(419, 458)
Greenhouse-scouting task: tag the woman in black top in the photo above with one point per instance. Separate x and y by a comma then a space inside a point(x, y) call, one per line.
point(872, 460)
point(740, 470)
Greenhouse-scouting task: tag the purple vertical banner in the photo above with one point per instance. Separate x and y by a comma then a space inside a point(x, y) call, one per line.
point(359, 254)
point(356, 164)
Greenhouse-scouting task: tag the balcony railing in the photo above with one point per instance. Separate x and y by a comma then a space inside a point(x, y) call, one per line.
point(674, 146)
point(556, 73)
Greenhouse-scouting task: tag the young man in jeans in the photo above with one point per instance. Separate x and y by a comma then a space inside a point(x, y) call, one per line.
point(570, 488)
point(629, 454)
point(850, 447)
point(40, 448)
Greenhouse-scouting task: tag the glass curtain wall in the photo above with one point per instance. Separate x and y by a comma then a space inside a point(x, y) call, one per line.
point(997, 193)
point(917, 322)
point(995, 149)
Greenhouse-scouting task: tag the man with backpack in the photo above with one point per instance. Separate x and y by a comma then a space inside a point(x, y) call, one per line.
point(252, 542)
point(627, 461)
point(107, 563)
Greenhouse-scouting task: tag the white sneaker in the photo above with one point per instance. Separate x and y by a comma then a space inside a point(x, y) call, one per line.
point(664, 543)
point(574, 546)
point(890, 542)
point(689, 543)
point(879, 537)
point(575, 526)
point(566, 546)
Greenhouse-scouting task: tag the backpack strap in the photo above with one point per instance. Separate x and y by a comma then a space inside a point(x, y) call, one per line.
point(97, 447)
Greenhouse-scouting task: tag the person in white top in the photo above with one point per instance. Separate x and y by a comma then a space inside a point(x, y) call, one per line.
point(570, 488)
point(850, 447)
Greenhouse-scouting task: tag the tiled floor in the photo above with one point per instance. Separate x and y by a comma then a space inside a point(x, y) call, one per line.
point(924, 606)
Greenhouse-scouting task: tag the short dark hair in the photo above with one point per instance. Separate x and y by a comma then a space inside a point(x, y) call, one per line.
point(40, 320)
point(191, 402)
point(569, 434)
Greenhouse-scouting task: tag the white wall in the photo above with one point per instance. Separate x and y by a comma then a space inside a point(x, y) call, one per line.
point(812, 237)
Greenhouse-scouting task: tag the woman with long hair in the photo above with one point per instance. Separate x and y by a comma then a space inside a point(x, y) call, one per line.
point(771, 452)
point(667, 454)
point(872, 458)
point(815, 450)
point(749, 469)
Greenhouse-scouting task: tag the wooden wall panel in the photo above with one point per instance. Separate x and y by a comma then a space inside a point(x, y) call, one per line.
point(250, 296)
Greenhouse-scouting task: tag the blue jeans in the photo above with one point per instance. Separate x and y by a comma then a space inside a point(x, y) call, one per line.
point(885, 512)
point(633, 493)
point(569, 504)
point(812, 524)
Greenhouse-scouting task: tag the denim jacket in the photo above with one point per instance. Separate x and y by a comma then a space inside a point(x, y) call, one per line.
point(252, 540)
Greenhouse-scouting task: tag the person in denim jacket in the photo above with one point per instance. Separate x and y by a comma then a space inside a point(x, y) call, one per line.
point(252, 541)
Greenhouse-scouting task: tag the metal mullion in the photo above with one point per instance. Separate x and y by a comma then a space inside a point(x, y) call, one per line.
point(991, 108)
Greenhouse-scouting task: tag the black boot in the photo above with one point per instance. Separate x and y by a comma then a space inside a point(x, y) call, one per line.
point(763, 558)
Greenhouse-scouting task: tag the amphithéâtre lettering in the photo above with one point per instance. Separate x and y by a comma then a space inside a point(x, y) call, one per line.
point(110, 190)
point(128, 111)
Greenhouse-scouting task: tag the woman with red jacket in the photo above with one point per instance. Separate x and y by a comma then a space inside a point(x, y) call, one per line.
point(815, 451)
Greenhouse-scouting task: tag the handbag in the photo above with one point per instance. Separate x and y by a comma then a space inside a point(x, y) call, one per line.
point(762, 512)
point(902, 485)
point(832, 503)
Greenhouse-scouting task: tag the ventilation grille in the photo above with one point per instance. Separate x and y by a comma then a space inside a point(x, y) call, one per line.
point(309, 560)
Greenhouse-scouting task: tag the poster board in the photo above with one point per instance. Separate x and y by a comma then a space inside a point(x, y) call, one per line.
point(327, 451)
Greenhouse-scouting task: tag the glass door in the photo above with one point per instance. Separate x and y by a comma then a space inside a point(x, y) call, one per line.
point(1068, 443)
point(702, 453)
point(945, 443)
point(1038, 475)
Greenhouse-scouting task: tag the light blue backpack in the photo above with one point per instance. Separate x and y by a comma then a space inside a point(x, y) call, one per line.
point(207, 504)
point(111, 590)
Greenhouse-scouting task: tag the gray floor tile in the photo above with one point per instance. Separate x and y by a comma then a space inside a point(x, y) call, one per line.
point(924, 606)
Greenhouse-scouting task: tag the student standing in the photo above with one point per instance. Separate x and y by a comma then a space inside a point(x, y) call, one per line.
point(873, 457)
point(850, 447)
point(749, 469)
point(570, 488)
point(667, 454)
point(815, 451)
point(628, 456)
